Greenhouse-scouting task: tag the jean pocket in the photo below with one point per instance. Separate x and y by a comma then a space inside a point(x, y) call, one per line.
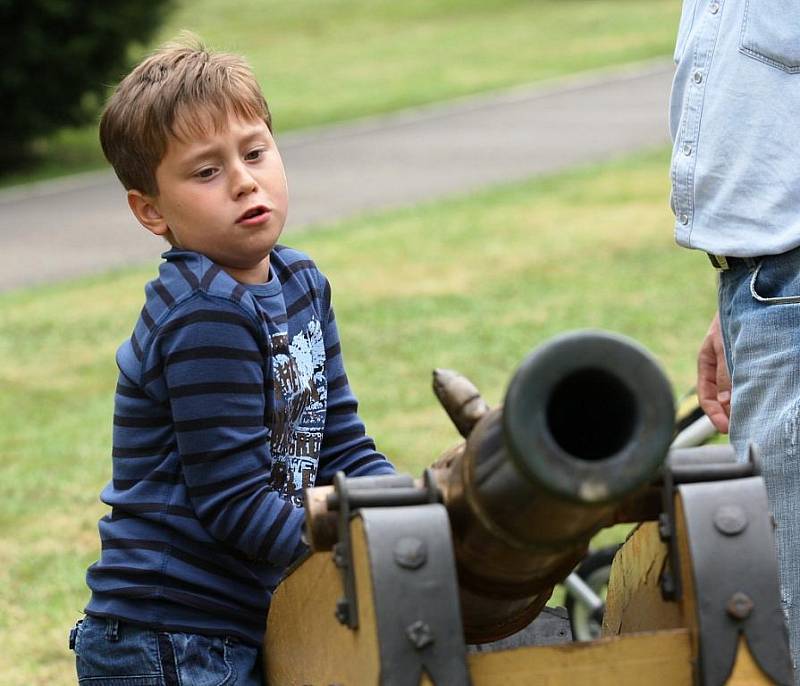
point(776, 280)
point(771, 33)
point(130, 659)
point(201, 660)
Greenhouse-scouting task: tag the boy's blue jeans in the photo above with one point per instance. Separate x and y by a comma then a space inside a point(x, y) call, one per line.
point(113, 653)
point(759, 305)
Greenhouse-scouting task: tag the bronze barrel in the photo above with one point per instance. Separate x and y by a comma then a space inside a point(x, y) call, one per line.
point(586, 422)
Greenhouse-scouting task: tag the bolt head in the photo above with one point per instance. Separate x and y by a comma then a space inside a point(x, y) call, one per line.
point(668, 589)
point(342, 611)
point(664, 527)
point(420, 634)
point(339, 558)
point(740, 606)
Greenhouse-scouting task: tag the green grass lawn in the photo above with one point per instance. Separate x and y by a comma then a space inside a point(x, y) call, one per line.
point(321, 61)
point(471, 284)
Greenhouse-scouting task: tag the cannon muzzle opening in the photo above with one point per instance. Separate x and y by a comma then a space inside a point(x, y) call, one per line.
point(591, 414)
point(588, 417)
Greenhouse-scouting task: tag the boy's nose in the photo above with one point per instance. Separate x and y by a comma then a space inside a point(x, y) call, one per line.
point(243, 183)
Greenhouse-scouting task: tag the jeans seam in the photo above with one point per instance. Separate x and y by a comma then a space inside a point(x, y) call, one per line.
point(233, 675)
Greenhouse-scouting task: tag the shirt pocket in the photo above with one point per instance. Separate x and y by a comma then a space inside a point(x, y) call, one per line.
point(771, 33)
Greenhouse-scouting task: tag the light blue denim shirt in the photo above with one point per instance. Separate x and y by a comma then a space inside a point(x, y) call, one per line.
point(735, 123)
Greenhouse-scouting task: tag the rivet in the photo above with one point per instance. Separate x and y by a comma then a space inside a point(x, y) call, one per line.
point(698, 76)
point(730, 520)
point(410, 552)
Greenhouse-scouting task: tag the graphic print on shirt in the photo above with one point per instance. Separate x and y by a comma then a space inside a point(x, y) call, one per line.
point(301, 396)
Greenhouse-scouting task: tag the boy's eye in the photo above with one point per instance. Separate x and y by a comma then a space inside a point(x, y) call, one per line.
point(254, 154)
point(206, 173)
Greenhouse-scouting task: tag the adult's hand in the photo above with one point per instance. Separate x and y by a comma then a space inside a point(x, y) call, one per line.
point(713, 379)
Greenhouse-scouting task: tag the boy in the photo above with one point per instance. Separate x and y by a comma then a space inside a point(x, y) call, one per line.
point(232, 395)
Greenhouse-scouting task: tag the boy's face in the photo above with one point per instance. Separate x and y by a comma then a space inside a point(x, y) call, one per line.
point(223, 195)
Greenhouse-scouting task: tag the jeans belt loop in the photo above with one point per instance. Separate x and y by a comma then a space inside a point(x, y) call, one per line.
point(73, 634)
point(112, 629)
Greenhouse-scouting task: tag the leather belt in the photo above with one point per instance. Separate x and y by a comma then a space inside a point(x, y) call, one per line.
point(723, 263)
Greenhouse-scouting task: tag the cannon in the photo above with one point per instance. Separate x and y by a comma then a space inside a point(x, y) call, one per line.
point(441, 579)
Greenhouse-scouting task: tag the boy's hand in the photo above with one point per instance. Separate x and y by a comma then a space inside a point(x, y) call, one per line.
point(713, 379)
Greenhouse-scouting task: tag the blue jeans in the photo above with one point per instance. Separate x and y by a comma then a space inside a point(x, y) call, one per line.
point(759, 305)
point(109, 652)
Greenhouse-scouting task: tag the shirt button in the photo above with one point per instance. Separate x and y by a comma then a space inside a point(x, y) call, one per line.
point(713, 7)
point(687, 150)
point(698, 76)
point(684, 219)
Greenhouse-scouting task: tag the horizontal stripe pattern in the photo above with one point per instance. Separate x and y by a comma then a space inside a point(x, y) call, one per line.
point(219, 387)
point(196, 536)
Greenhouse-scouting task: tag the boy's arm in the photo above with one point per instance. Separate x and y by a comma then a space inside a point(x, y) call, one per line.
point(345, 443)
point(210, 358)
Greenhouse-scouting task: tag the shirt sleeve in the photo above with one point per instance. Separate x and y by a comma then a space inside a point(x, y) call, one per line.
point(208, 364)
point(345, 443)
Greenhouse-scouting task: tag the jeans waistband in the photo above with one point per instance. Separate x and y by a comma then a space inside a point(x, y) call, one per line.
point(113, 627)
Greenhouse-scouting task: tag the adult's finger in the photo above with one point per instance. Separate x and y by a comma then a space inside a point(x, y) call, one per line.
point(713, 380)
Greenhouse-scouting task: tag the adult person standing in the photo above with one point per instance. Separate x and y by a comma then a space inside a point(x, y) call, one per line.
point(735, 123)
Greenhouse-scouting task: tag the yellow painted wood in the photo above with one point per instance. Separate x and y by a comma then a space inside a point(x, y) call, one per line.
point(746, 671)
point(304, 642)
point(634, 601)
point(662, 657)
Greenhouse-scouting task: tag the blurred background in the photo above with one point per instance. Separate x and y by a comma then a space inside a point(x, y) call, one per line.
point(471, 276)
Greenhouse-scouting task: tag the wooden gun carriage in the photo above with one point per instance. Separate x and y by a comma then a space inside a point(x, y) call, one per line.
point(439, 580)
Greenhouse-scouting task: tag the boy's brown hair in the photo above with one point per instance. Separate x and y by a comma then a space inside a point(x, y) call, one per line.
point(182, 90)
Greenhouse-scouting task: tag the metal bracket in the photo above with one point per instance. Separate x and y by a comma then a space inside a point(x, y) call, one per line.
point(735, 577)
point(353, 493)
point(708, 463)
point(415, 593)
point(347, 606)
point(671, 576)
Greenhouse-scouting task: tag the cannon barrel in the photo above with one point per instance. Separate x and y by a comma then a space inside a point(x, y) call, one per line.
point(586, 423)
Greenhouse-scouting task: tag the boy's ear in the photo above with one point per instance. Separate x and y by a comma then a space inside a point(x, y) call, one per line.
point(146, 210)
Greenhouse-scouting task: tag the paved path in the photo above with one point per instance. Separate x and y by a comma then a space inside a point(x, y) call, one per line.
point(80, 225)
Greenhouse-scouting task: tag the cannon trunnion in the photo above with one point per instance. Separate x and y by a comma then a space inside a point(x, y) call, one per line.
point(416, 581)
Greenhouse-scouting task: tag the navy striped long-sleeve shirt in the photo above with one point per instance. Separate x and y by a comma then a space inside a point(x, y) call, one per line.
point(231, 399)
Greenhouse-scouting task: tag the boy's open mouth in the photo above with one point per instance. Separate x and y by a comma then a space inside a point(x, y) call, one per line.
point(253, 214)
